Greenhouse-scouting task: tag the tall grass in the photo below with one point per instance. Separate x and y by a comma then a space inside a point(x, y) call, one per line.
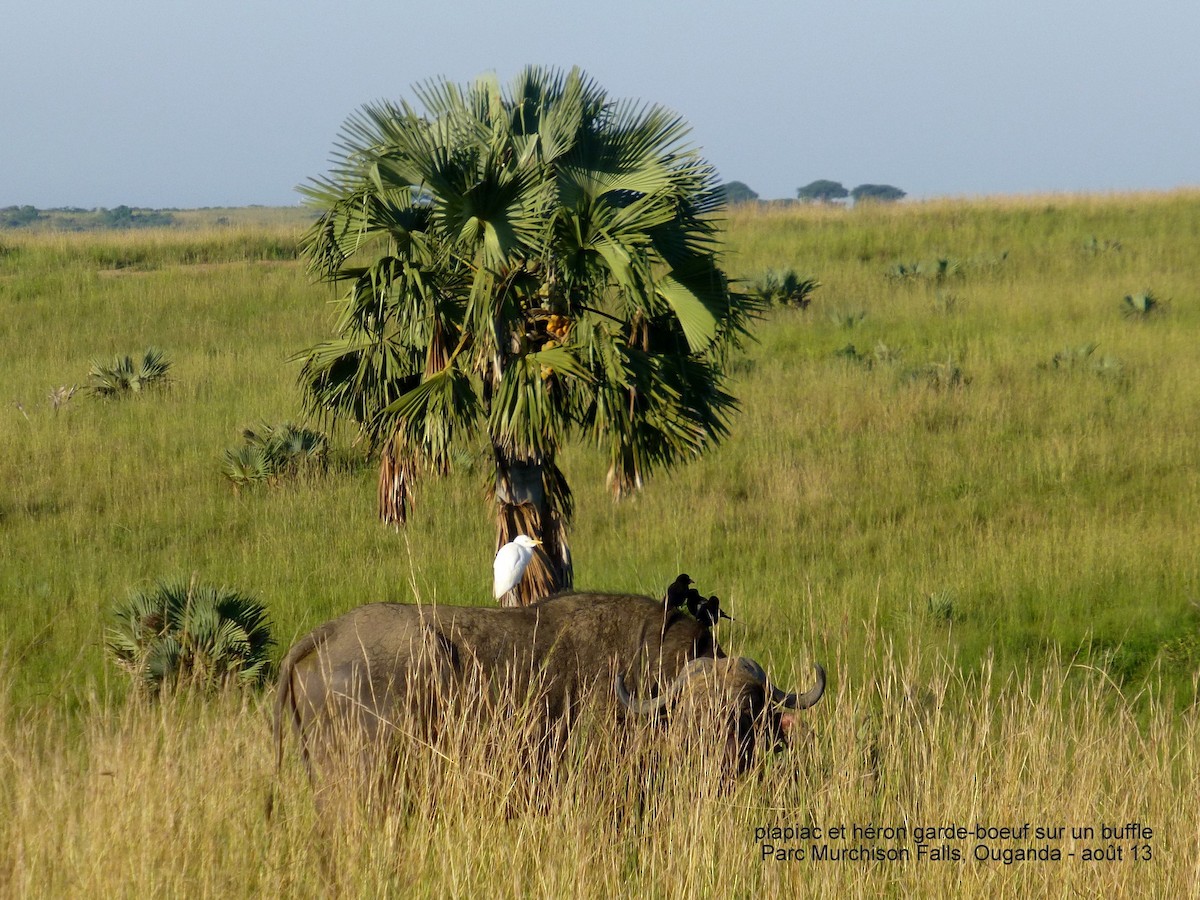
point(1025, 530)
point(170, 800)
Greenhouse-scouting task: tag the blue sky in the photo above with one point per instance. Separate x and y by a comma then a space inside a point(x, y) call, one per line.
point(235, 102)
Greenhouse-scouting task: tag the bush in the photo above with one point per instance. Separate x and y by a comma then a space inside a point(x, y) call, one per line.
point(271, 452)
point(121, 377)
point(1142, 306)
point(183, 633)
point(939, 270)
point(1083, 359)
point(785, 288)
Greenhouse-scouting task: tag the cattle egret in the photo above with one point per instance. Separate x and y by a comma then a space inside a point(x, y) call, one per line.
point(677, 592)
point(510, 563)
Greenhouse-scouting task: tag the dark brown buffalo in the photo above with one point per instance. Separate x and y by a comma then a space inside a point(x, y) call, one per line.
point(382, 665)
point(736, 696)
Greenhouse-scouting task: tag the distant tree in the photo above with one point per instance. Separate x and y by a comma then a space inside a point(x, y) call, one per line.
point(18, 216)
point(880, 193)
point(121, 217)
point(738, 192)
point(125, 217)
point(822, 191)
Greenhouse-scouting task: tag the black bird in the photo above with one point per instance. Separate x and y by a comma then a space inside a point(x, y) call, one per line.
point(707, 611)
point(677, 592)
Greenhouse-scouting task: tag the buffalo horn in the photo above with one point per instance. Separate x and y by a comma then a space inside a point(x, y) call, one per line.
point(652, 705)
point(781, 697)
point(805, 700)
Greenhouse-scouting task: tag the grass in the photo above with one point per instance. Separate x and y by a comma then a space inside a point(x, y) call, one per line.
point(953, 521)
point(170, 800)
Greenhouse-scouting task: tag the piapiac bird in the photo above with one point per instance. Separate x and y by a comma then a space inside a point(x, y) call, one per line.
point(677, 592)
point(510, 563)
point(706, 610)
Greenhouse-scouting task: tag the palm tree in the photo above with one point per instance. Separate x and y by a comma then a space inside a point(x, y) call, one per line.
point(521, 267)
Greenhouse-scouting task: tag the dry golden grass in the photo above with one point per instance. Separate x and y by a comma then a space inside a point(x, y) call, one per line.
point(169, 800)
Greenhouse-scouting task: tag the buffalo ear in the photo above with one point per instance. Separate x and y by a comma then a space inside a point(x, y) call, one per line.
point(786, 721)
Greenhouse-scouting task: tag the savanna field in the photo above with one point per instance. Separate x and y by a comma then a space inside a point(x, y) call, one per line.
point(965, 478)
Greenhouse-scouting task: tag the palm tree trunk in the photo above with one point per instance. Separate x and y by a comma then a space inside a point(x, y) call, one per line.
point(395, 487)
point(533, 498)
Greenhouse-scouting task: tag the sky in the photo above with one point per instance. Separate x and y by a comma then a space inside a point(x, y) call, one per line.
point(182, 104)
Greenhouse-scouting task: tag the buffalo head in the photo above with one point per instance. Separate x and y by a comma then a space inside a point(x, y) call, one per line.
point(734, 693)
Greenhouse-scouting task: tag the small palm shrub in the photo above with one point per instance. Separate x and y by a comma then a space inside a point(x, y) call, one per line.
point(1142, 306)
point(1083, 358)
point(946, 267)
point(905, 271)
point(61, 395)
point(846, 318)
point(271, 452)
point(785, 288)
point(941, 269)
point(880, 356)
point(939, 607)
point(247, 465)
point(940, 375)
point(183, 633)
point(122, 376)
point(1074, 357)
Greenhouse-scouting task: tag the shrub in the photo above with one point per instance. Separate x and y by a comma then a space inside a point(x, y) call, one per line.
point(121, 377)
point(941, 269)
point(1074, 357)
point(271, 452)
point(1083, 359)
point(846, 318)
point(61, 395)
point(183, 633)
point(247, 465)
point(880, 356)
point(941, 376)
point(905, 271)
point(1142, 306)
point(785, 288)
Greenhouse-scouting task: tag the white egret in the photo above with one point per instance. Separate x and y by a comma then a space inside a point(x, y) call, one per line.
point(510, 563)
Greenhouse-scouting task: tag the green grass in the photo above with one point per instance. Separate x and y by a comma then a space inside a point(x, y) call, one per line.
point(951, 492)
point(1050, 508)
point(1053, 507)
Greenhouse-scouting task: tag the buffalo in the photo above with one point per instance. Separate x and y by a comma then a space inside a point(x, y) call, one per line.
point(386, 672)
